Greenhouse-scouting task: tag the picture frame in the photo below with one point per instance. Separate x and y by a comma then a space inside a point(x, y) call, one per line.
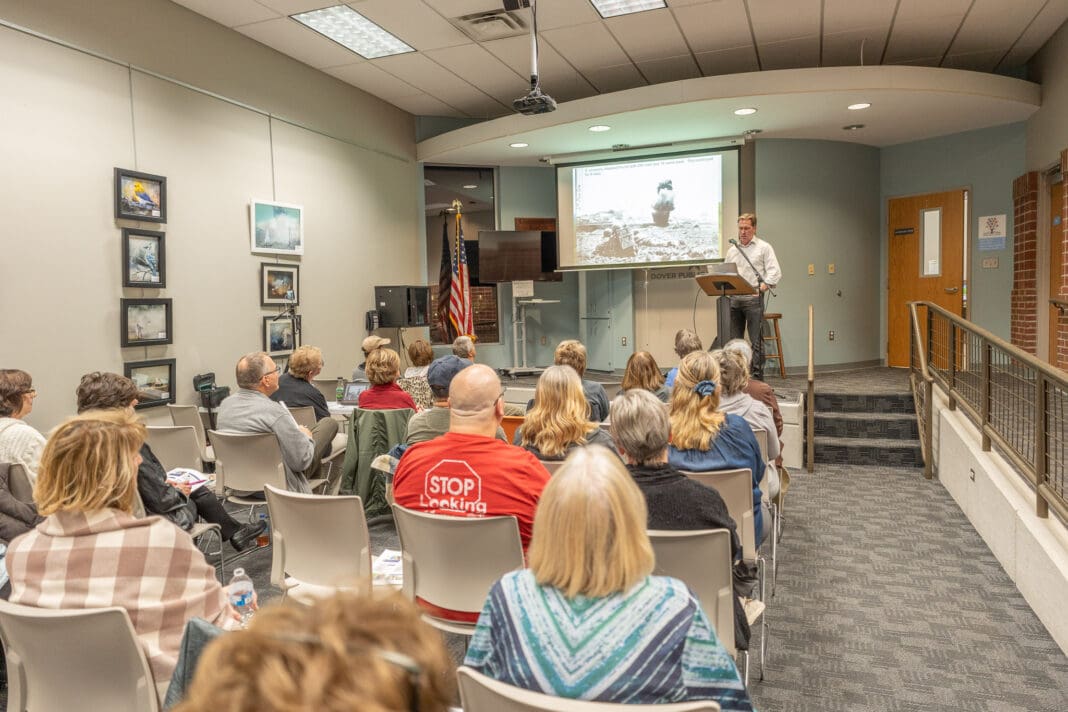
point(276, 228)
point(146, 322)
point(152, 378)
point(144, 258)
point(279, 284)
point(140, 196)
point(280, 335)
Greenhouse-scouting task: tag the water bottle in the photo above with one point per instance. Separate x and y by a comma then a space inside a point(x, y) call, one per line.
point(241, 592)
point(340, 389)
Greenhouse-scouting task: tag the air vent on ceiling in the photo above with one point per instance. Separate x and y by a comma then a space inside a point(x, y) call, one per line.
point(493, 24)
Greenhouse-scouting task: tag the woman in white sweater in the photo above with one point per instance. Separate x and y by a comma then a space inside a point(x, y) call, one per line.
point(734, 376)
point(19, 442)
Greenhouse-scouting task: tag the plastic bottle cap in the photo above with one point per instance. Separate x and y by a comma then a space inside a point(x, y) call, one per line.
point(239, 572)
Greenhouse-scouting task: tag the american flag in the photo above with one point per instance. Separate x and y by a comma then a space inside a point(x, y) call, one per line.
point(460, 293)
point(445, 285)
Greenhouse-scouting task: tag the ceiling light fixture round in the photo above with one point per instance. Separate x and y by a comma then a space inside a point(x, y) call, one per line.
point(746, 111)
point(518, 144)
point(470, 186)
point(859, 106)
point(853, 127)
point(599, 128)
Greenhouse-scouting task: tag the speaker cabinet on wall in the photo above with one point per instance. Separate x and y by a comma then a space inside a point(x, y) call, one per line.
point(403, 306)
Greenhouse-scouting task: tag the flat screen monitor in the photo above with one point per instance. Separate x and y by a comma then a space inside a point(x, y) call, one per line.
point(515, 255)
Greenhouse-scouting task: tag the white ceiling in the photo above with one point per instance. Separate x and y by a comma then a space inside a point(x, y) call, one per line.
point(582, 55)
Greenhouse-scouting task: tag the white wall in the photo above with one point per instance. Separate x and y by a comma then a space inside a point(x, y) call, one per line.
point(1046, 137)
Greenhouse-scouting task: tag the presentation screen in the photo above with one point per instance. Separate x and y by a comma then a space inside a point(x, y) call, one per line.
point(653, 211)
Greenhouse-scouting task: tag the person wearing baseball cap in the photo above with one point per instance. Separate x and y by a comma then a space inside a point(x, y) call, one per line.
point(434, 422)
point(369, 344)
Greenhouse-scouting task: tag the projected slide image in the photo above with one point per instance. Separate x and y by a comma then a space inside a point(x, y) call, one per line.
point(660, 210)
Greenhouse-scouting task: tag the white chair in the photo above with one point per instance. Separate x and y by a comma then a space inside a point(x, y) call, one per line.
point(552, 465)
point(74, 660)
point(305, 415)
point(761, 436)
point(320, 543)
point(190, 415)
point(451, 562)
point(480, 693)
point(245, 464)
point(175, 446)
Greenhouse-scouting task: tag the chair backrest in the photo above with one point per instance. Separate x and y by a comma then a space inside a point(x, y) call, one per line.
point(18, 481)
point(702, 560)
point(552, 465)
point(175, 446)
point(736, 489)
point(761, 436)
point(452, 562)
point(480, 693)
point(189, 415)
point(304, 415)
point(106, 670)
point(247, 462)
point(511, 423)
point(323, 539)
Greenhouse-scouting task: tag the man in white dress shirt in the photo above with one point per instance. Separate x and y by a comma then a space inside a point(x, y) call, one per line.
point(748, 311)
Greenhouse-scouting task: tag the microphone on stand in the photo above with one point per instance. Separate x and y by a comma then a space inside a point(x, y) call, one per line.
point(734, 242)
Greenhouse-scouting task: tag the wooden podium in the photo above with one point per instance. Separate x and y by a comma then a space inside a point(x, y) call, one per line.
point(723, 286)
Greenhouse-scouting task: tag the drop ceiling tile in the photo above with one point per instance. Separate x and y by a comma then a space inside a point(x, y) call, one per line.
point(618, 78)
point(425, 105)
point(790, 54)
point(1046, 23)
point(974, 61)
point(234, 12)
point(413, 21)
point(587, 46)
point(474, 64)
point(842, 49)
point(670, 69)
point(728, 61)
point(711, 30)
point(304, 44)
point(560, 13)
point(433, 79)
point(920, 38)
point(648, 35)
point(373, 80)
point(988, 26)
point(911, 10)
point(291, 7)
point(779, 20)
point(845, 15)
point(558, 78)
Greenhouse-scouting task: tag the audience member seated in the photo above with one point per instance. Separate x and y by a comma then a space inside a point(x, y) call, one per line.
point(429, 424)
point(572, 353)
point(703, 439)
point(734, 374)
point(420, 354)
point(642, 372)
point(295, 389)
point(757, 389)
point(464, 347)
point(19, 443)
point(342, 654)
point(509, 480)
point(641, 430)
point(383, 368)
point(686, 342)
point(250, 410)
point(586, 620)
point(16, 517)
point(175, 502)
point(91, 552)
point(560, 418)
point(369, 344)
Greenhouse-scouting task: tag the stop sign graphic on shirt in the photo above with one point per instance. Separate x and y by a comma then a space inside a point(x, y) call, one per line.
point(452, 486)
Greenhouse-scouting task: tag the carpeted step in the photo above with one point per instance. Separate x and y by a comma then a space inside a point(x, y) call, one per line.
point(894, 426)
point(889, 452)
point(864, 403)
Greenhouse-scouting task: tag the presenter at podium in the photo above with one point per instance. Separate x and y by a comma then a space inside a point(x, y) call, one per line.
point(759, 267)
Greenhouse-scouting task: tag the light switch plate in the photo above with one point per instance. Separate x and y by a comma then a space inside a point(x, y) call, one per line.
point(830, 268)
point(811, 270)
point(990, 263)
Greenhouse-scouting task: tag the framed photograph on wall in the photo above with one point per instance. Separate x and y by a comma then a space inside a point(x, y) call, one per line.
point(276, 228)
point(140, 196)
point(279, 336)
point(146, 322)
point(279, 284)
point(154, 380)
point(144, 260)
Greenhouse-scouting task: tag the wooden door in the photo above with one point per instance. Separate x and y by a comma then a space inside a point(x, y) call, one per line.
point(925, 262)
point(1056, 262)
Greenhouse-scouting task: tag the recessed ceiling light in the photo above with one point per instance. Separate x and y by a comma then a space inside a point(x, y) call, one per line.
point(745, 111)
point(350, 29)
point(518, 144)
point(470, 186)
point(853, 127)
point(599, 128)
point(858, 107)
point(615, 8)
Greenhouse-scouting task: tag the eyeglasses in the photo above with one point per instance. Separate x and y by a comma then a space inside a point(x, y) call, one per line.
point(270, 373)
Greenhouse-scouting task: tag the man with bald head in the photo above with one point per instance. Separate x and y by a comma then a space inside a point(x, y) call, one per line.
point(468, 472)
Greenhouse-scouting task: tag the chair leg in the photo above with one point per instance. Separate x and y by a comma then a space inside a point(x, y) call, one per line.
point(774, 546)
point(765, 631)
point(745, 668)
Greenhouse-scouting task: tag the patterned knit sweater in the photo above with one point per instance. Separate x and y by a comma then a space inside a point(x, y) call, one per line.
point(22, 444)
point(649, 645)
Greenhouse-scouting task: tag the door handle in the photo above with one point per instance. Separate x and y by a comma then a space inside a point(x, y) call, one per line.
point(952, 290)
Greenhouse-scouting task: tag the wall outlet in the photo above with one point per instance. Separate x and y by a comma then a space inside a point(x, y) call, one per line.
point(624, 340)
point(811, 270)
point(830, 335)
point(990, 263)
point(543, 341)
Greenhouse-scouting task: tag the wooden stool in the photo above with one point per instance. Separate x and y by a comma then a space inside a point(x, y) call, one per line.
point(776, 339)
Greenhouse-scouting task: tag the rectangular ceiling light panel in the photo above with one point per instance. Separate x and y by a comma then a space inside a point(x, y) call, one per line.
point(614, 8)
point(350, 29)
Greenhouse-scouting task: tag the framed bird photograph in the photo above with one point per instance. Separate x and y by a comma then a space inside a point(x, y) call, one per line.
point(144, 259)
point(146, 322)
point(140, 196)
point(279, 284)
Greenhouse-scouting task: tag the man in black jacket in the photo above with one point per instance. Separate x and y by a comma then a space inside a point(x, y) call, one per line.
point(174, 502)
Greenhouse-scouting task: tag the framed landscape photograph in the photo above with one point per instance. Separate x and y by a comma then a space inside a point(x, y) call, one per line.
point(276, 228)
point(154, 381)
point(279, 336)
point(144, 262)
point(279, 284)
point(140, 196)
point(146, 322)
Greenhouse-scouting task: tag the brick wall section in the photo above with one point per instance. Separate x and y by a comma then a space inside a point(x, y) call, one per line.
point(1024, 278)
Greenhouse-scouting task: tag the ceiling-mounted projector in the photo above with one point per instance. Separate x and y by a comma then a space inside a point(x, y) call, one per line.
point(535, 101)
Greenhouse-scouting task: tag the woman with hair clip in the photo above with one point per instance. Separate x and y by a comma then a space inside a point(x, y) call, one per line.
point(642, 372)
point(560, 418)
point(587, 620)
point(704, 439)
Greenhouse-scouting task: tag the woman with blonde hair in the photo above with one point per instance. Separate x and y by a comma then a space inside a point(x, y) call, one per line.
point(343, 653)
point(643, 373)
point(630, 637)
point(91, 552)
point(560, 418)
point(704, 439)
point(383, 368)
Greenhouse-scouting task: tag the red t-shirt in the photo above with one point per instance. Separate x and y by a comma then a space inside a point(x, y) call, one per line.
point(385, 396)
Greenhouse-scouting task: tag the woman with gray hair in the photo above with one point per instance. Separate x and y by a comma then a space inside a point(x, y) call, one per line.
point(733, 376)
point(757, 389)
point(686, 342)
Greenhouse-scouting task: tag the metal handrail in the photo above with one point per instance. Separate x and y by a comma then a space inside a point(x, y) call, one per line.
point(1048, 382)
point(810, 436)
point(924, 410)
point(1061, 304)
